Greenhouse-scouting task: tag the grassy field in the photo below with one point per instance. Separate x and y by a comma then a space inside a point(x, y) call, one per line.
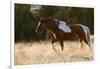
point(42, 53)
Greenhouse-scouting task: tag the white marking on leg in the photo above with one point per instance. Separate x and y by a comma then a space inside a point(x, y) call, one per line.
point(54, 36)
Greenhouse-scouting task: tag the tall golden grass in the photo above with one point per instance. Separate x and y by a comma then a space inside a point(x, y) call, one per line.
point(42, 53)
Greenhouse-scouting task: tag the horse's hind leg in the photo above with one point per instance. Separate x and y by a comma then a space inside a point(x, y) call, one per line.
point(88, 39)
point(88, 44)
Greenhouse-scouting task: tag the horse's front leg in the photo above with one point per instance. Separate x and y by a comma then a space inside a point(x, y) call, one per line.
point(62, 45)
point(53, 41)
point(81, 42)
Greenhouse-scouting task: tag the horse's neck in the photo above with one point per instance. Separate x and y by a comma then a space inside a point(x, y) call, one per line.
point(52, 28)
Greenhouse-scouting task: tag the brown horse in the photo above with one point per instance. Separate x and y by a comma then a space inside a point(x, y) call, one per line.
point(78, 31)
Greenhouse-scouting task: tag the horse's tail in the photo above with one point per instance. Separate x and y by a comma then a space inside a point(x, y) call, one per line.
point(88, 37)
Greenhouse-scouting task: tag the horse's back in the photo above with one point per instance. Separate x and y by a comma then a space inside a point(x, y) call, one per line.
point(76, 27)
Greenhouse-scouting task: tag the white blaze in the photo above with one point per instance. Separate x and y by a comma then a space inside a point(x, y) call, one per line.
point(38, 26)
point(62, 25)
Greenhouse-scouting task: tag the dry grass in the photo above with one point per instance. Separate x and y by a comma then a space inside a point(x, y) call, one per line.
point(42, 53)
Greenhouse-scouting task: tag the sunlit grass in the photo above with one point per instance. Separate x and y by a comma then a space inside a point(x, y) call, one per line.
point(42, 53)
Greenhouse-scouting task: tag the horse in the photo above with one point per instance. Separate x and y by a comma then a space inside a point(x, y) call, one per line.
point(78, 31)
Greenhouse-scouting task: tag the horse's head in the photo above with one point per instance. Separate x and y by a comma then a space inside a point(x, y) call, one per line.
point(46, 23)
point(40, 28)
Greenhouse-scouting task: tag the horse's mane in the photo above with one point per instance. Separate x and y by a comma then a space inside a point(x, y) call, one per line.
point(51, 20)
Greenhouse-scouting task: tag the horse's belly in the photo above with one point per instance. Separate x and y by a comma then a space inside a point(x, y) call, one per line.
point(70, 36)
